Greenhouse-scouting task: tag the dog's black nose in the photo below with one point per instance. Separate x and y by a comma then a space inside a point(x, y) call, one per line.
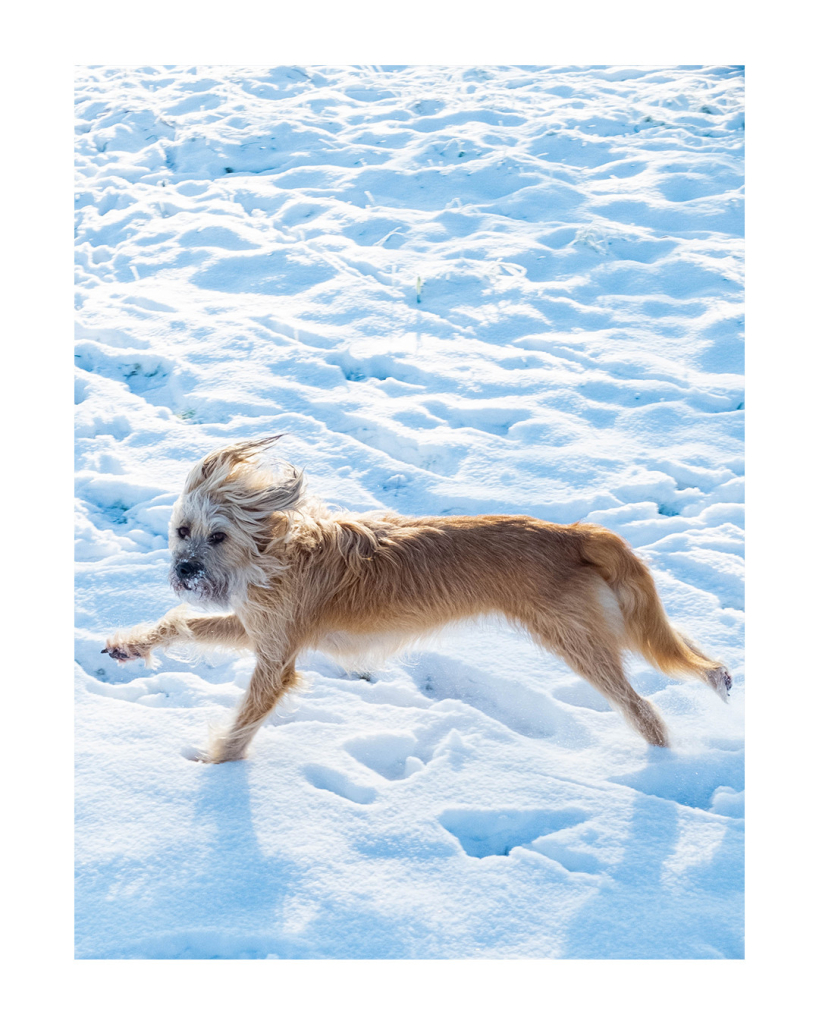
point(186, 569)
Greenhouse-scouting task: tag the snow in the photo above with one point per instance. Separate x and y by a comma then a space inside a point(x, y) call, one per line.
point(574, 352)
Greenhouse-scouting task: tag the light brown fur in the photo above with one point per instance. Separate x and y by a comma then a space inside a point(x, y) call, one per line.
point(296, 576)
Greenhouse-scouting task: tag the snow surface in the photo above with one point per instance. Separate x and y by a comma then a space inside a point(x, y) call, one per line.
point(458, 290)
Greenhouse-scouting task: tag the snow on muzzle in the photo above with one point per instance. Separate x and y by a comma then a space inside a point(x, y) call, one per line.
point(188, 577)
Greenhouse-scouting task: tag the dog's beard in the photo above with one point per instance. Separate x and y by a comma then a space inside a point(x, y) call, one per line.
point(202, 589)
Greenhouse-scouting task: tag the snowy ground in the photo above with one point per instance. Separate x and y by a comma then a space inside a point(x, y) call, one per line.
point(252, 246)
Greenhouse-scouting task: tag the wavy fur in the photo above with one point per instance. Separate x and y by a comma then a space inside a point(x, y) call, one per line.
point(246, 538)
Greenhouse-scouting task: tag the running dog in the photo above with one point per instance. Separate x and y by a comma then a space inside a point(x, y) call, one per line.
point(285, 574)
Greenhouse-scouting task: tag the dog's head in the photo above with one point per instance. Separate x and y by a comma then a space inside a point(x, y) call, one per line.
point(222, 524)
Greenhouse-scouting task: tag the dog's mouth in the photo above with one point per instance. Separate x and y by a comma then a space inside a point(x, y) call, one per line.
point(193, 582)
point(189, 583)
point(186, 586)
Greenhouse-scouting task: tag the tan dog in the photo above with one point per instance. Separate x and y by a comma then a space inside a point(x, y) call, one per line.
point(290, 576)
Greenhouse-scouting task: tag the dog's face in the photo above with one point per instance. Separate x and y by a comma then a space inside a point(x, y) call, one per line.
point(206, 557)
point(224, 523)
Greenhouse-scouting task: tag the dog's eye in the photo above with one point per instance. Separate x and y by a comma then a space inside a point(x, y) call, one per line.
point(183, 532)
point(216, 538)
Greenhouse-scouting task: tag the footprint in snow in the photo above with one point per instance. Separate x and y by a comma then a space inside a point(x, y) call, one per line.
point(333, 781)
point(485, 833)
point(393, 755)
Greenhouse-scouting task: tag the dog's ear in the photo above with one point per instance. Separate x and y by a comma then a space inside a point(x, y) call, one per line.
point(222, 461)
point(282, 496)
point(277, 528)
point(269, 509)
point(233, 454)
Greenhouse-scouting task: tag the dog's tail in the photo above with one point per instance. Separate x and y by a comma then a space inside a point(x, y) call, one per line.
point(648, 630)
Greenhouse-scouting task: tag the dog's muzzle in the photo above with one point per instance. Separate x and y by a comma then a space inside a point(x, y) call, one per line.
point(190, 579)
point(189, 573)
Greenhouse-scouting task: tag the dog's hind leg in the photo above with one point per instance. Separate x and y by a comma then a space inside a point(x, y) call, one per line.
point(268, 683)
point(648, 630)
point(606, 675)
point(595, 655)
point(718, 678)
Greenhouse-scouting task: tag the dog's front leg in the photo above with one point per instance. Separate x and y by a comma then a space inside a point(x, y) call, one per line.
point(179, 625)
point(270, 679)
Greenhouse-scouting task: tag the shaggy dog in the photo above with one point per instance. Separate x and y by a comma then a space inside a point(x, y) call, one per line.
point(286, 575)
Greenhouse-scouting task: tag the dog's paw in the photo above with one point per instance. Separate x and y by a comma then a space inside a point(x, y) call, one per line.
point(125, 652)
point(719, 679)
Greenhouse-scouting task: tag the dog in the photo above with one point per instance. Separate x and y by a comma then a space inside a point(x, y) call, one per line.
point(285, 574)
